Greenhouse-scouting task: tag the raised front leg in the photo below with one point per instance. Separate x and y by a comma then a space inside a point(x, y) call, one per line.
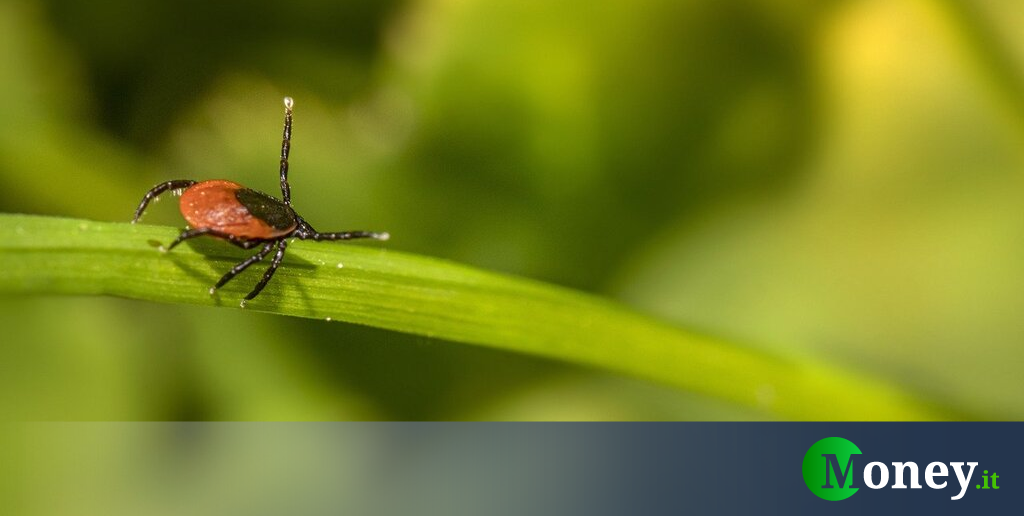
point(286, 145)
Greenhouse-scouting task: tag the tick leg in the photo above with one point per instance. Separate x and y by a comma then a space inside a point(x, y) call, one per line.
point(281, 245)
point(242, 266)
point(344, 235)
point(306, 232)
point(185, 235)
point(286, 145)
point(176, 184)
point(192, 233)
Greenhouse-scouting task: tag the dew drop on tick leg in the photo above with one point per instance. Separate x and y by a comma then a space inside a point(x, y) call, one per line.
point(328, 319)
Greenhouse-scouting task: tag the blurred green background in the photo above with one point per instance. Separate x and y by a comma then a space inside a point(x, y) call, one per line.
point(835, 180)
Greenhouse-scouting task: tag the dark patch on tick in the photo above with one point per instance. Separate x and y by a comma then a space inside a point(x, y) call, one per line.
point(266, 208)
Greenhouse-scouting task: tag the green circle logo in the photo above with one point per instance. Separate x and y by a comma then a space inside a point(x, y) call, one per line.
point(829, 468)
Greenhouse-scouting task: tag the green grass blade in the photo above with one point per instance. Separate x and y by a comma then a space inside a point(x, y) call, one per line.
point(375, 286)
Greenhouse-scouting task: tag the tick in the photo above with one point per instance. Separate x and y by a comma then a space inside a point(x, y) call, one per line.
point(245, 217)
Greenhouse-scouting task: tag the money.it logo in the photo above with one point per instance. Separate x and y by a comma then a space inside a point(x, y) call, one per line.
point(828, 468)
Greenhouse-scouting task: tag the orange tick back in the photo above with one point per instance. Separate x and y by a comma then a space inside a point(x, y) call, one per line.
point(231, 208)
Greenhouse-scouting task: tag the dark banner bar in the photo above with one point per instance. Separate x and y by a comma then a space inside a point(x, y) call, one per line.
point(513, 468)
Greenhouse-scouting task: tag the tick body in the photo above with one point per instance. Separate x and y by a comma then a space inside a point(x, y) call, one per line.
point(245, 217)
point(232, 208)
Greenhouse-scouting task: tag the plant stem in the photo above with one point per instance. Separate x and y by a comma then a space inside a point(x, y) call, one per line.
point(378, 287)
